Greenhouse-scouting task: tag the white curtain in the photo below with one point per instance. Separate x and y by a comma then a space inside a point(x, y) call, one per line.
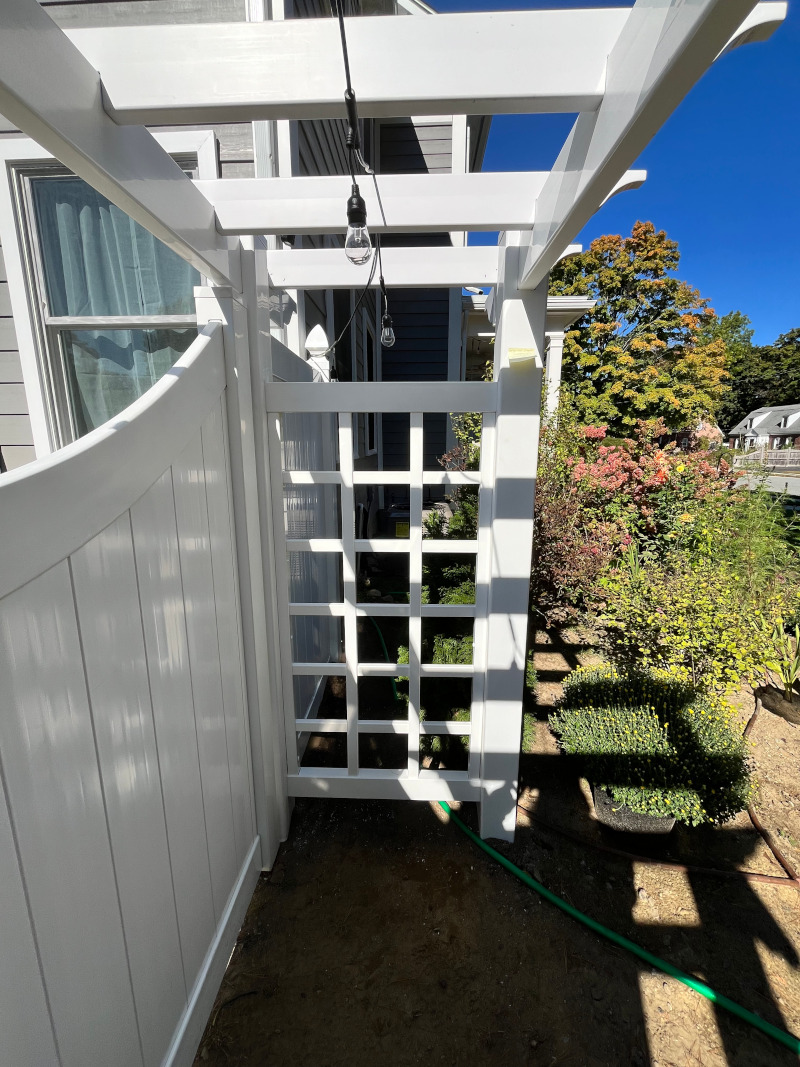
point(98, 261)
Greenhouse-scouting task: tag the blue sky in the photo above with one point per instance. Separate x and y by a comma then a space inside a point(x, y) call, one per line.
point(723, 174)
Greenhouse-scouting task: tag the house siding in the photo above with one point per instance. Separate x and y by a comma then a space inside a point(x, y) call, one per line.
point(16, 438)
point(416, 147)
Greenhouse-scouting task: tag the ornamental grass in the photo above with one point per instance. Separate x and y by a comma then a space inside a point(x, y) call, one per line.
point(655, 743)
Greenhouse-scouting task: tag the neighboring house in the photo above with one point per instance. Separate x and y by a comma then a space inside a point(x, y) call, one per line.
point(772, 427)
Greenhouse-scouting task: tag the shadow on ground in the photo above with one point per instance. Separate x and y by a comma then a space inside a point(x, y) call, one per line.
point(383, 936)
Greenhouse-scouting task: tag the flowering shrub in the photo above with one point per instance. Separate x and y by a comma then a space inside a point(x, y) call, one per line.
point(655, 744)
point(653, 494)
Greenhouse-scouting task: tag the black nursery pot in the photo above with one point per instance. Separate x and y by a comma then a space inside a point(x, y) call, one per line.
point(620, 817)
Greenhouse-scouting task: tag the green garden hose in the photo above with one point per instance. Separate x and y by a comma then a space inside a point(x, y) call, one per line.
point(789, 1040)
point(386, 654)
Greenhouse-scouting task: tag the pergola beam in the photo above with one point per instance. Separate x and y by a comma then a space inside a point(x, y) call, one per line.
point(403, 268)
point(662, 51)
point(53, 94)
point(412, 203)
point(476, 64)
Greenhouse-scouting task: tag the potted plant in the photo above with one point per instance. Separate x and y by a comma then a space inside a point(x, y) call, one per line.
point(654, 748)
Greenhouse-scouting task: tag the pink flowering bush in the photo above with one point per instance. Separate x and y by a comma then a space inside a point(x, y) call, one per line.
point(654, 494)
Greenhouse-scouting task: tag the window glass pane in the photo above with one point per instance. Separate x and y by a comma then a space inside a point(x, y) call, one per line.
point(98, 261)
point(108, 369)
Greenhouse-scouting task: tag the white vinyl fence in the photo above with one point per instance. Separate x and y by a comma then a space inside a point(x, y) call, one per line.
point(128, 849)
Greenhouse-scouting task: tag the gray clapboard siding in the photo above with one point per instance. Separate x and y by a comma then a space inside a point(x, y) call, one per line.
point(420, 147)
point(321, 147)
point(12, 399)
point(10, 367)
point(15, 430)
point(16, 437)
point(421, 321)
point(8, 336)
point(18, 455)
point(76, 15)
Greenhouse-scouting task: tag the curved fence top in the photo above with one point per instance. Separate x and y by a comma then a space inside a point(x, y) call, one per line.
point(51, 507)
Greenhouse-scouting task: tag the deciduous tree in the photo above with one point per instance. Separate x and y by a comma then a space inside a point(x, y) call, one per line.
point(642, 352)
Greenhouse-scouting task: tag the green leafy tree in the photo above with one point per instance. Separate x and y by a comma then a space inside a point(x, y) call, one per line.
point(757, 375)
point(642, 352)
point(744, 366)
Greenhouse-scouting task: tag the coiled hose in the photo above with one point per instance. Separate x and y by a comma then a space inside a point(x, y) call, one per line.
point(788, 1040)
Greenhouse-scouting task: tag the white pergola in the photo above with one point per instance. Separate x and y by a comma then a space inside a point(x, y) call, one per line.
point(162, 532)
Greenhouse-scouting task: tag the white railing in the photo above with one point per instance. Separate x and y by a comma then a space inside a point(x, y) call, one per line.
point(128, 848)
point(769, 457)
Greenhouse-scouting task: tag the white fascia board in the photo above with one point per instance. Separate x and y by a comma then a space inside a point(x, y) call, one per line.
point(662, 51)
point(474, 64)
point(412, 203)
point(403, 268)
point(54, 95)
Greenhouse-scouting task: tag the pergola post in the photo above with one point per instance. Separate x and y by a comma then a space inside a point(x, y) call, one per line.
point(518, 370)
point(555, 352)
point(244, 404)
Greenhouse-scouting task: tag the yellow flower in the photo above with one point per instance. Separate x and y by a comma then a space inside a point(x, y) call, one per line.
point(686, 517)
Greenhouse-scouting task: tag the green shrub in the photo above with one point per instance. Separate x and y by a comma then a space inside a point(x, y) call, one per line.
point(655, 744)
point(531, 680)
point(697, 620)
point(445, 650)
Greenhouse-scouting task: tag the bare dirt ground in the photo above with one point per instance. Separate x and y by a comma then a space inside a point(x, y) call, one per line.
point(383, 936)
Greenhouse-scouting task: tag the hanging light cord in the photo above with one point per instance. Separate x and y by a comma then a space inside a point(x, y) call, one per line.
point(359, 302)
point(354, 155)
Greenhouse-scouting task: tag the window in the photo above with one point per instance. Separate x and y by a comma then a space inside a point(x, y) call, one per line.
point(115, 305)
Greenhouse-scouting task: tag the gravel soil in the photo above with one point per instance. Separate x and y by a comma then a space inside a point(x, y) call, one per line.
point(383, 936)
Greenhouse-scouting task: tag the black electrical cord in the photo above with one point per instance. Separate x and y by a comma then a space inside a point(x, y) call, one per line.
point(358, 304)
point(353, 142)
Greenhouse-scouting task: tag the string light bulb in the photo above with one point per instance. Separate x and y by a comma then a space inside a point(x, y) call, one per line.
point(387, 333)
point(357, 244)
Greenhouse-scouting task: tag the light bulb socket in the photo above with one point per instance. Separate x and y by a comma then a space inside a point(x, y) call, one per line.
point(356, 208)
point(386, 322)
point(353, 136)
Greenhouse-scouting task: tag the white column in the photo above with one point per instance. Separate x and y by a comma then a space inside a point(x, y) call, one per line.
point(245, 406)
point(555, 352)
point(518, 370)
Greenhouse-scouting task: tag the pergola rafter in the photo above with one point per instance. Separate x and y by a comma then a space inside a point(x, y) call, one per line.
point(477, 64)
point(101, 80)
point(411, 203)
point(403, 268)
point(660, 54)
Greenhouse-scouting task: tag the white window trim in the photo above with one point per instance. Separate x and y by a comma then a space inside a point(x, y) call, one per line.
point(19, 152)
